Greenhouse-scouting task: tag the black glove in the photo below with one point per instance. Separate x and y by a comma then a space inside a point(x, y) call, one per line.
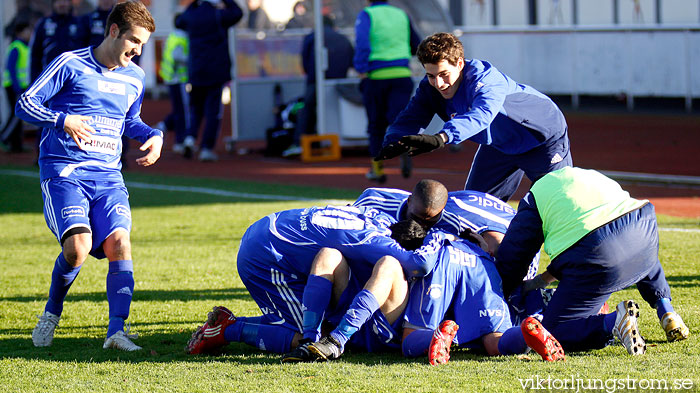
point(391, 150)
point(422, 143)
point(536, 282)
point(475, 238)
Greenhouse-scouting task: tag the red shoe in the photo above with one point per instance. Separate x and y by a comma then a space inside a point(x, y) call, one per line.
point(604, 309)
point(210, 336)
point(539, 339)
point(439, 351)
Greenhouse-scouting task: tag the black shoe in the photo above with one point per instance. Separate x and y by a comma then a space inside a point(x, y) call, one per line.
point(299, 354)
point(327, 348)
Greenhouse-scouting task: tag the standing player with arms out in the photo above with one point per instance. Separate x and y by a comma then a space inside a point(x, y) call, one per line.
point(518, 129)
point(85, 100)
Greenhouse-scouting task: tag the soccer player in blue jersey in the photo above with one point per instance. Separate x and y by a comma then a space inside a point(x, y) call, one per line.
point(519, 129)
point(599, 240)
point(84, 101)
point(274, 261)
point(463, 282)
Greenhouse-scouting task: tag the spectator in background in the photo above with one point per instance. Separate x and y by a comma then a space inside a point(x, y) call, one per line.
point(257, 17)
point(384, 43)
point(60, 32)
point(206, 23)
point(93, 23)
point(303, 17)
point(15, 80)
point(340, 53)
point(173, 70)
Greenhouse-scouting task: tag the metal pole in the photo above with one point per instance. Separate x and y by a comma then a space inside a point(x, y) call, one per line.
point(319, 59)
point(234, 90)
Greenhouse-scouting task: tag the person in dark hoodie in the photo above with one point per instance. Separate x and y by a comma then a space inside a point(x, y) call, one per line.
point(60, 32)
point(206, 23)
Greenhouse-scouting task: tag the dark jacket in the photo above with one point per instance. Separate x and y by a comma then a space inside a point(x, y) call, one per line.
point(340, 54)
point(52, 36)
point(207, 27)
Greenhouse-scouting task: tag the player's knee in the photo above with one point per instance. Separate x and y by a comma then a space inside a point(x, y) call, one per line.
point(490, 342)
point(118, 246)
point(388, 267)
point(76, 248)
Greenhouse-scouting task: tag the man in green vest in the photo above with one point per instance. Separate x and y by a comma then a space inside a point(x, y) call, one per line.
point(173, 70)
point(384, 43)
point(15, 80)
point(600, 241)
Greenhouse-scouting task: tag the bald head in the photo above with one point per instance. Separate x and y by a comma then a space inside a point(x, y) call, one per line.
point(427, 201)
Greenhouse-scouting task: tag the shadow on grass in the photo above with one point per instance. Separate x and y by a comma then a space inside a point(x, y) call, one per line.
point(150, 295)
point(683, 281)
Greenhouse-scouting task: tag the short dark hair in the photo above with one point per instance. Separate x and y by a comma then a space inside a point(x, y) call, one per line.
point(438, 47)
point(431, 194)
point(130, 14)
point(408, 233)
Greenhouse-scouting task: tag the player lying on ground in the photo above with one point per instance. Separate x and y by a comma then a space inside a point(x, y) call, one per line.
point(600, 240)
point(464, 284)
point(85, 100)
point(274, 261)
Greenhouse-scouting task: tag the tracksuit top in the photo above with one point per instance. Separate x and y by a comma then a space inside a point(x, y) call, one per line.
point(76, 83)
point(572, 202)
point(52, 36)
point(488, 108)
point(384, 39)
point(207, 28)
point(94, 25)
point(16, 72)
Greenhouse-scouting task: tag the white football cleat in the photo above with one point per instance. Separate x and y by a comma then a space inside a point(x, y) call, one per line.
point(626, 328)
point(122, 340)
point(207, 155)
point(675, 328)
point(42, 335)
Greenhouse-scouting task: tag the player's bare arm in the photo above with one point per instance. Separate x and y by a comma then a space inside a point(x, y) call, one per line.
point(78, 128)
point(153, 146)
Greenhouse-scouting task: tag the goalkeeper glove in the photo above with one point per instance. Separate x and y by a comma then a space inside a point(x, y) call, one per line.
point(423, 143)
point(534, 283)
point(392, 150)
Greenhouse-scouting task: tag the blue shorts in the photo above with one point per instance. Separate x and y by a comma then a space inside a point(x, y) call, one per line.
point(100, 206)
point(469, 293)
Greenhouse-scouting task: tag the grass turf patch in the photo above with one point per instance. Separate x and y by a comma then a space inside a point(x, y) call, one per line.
point(184, 247)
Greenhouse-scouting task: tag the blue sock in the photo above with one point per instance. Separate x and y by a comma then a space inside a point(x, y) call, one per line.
point(663, 306)
point(62, 278)
point(120, 289)
point(265, 337)
point(416, 343)
point(512, 342)
point(609, 322)
point(256, 320)
point(317, 296)
point(360, 311)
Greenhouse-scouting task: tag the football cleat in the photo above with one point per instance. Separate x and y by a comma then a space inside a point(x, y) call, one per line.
point(42, 335)
point(604, 309)
point(675, 328)
point(210, 336)
point(626, 329)
point(541, 341)
point(121, 340)
point(439, 351)
point(326, 349)
point(299, 354)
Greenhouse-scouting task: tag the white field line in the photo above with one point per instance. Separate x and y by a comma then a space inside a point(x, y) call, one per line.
point(234, 194)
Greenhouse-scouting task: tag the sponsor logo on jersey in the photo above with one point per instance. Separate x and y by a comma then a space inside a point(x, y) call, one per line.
point(73, 211)
point(490, 313)
point(122, 211)
point(556, 159)
point(435, 291)
point(107, 125)
point(102, 144)
point(111, 87)
point(487, 202)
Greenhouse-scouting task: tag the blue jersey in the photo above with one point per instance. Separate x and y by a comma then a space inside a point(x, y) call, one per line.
point(76, 84)
point(464, 286)
point(488, 108)
point(360, 234)
point(475, 210)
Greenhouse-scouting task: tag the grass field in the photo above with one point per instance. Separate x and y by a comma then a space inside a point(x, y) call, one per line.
point(185, 238)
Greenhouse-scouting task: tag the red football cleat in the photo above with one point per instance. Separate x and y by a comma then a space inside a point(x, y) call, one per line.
point(539, 339)
point(604, 309)
point(439, 351)
point(210, 336)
